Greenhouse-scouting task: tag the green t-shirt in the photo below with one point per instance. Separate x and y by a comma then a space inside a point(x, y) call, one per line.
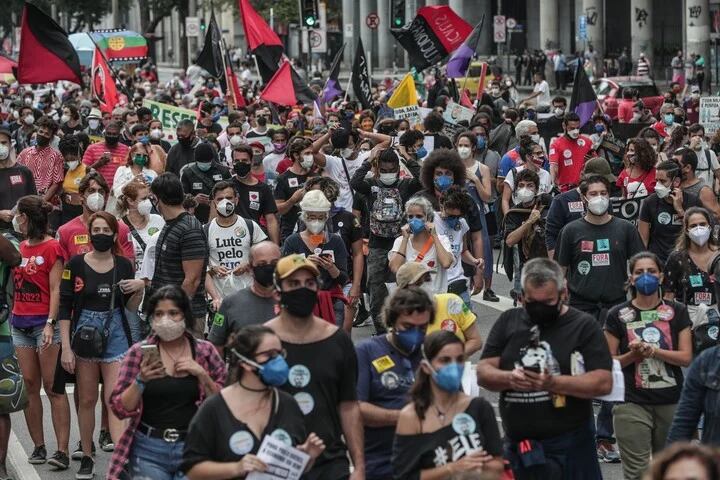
point(6, 279)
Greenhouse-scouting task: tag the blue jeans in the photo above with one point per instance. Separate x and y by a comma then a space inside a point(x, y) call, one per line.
point(154, 458)
point(605, 430)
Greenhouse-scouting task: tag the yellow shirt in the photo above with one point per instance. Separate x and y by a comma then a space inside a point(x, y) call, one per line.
point(452, 315)
point(71, 183)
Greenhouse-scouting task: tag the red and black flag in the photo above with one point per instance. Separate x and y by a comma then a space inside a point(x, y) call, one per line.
point(102, 83)
point(287, 88)
point(360, 77)
point(262, 41)
point(434, 33)
point(46, 54)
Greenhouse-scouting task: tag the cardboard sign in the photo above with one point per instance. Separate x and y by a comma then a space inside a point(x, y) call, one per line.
point(455, 113)
point(410, 113)
point(710, 114)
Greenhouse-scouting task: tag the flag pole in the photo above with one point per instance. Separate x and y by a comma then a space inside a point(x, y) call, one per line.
point(223, 52)
point(347, 89)
point(112, 70)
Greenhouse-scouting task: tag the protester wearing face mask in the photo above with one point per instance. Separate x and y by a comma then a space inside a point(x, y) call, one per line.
point(253, 305)
point(568, 154)
point(199, 177)
point(108, 155)
point(94, 125)
point(233, 138)
point(157, 135)
point(637, 179)
point(36, 337)
point(324, 386)
point(18, 180)
point(525, 129)
point(134, 206)
point(230, 238)
point(250, 405)
point(441, 415)
point(96, 289)
point(183, 152)
point(156, 155)
point(279, 146)
point(594, 251)
point(421, 242)
point(533, 159)
point(160, 393)
point(75, 170)
point(382, 392)
point(386, 193)
point(691, 105)
point(135, 168)
point(651, 339)
point(690, 183)
point(327, 251)
point(26, 128)
point(531, 356)
point(691, 267)
point(74, 236)
point(666, 123)
point(708, 167)
point(290, 186)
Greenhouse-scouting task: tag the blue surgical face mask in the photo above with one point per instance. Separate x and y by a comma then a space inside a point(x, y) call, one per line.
point(203, 166)
point(417, 225)
point(145, 139)
point(410, 339)
point(449, 377)
point(272, 373)
point(647, 283)
point(668, 119)
point(481, 143)
point(421, 152)
point(443, 182)
point(452, 222)
point(599, 128)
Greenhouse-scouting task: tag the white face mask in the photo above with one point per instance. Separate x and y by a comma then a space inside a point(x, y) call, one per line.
point(156, 133)
point(699, 235)
point(307, 161)
point(16, 224)
point(168, 329)
point(93, 123)
point(65, 119)
point(95, 202)
point(29, 120)
point(346, 152)
point(535, 138)
point(73, 165)
point(661, 190)
point(4, 152)
point(225, 207)
point(388, 178)
point(315, 226)
point(559, 112)
point(598, 205)
point(464, 152)
point(574, 133)
point(524, 195)
point(235, 140)
point(144, 207)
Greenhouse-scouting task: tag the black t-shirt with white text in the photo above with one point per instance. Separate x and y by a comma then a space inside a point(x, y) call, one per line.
point(575, 339)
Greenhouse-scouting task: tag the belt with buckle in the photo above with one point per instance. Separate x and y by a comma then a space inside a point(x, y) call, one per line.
point(170, 435)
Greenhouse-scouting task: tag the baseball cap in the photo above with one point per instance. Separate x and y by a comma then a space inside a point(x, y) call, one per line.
point(598, 166)
point(409, 273)
point(290, 264)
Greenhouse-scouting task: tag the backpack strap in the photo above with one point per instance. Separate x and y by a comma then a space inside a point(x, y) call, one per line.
point(424, 250)
point(134, 232)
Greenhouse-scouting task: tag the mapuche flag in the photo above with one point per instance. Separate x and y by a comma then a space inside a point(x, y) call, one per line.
point(434, 33)
point(286, 88)
point(102, 83)
point(262, 41)
point(46, 54)
point(121, 45)
point(459, 63)
point(361, 77)
point(583, 100)
point(332, 86)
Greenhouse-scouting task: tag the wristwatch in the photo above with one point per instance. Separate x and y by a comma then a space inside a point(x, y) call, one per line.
point(51, 322)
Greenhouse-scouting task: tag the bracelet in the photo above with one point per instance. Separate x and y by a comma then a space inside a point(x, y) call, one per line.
point(140, 384)
point(401, 254)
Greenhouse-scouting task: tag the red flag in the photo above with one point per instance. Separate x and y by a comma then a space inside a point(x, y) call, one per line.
point(465, 98)
point(46, 54)
point(262, 41)
point(481, 83)
point(233, 87)
point(280, 89)
point(103, 83)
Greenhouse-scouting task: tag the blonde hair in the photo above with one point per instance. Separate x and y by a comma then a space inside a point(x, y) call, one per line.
point(131, 190)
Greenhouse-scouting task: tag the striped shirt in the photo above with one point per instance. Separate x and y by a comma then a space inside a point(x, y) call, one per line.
point(46, 165)
point(181, 239)
point(119, 157)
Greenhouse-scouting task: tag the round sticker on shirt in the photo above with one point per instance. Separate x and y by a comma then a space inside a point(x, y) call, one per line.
point(390, 380)
point(77, 181)
point(449, 325)
point(627, 314)
point(567, 154)
point(664, 218)
point(651, 335)
point(39, 260)
point(282, 435)
point(581, 142)
point(241, 442)
point(713, 332)
point(340, 224)
point(153, 230)
point(463, 424)
point(317, 251)
point(240, 232)
point(583, 267)
point(299, 376)
point(665, 312)
point(455, 305)
point(305, 401)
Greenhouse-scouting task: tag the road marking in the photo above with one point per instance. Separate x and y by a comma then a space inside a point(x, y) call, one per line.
point(17, 459)
point(505, 303)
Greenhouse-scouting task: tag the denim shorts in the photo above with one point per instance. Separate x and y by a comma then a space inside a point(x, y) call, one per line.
point(117, 343)
point(32, 337)
point(155, 459)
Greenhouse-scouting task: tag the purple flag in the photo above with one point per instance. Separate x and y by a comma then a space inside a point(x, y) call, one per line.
point(332, 86)
point(458, 64)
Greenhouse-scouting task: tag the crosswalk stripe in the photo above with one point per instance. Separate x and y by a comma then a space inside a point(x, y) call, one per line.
point(17, 459)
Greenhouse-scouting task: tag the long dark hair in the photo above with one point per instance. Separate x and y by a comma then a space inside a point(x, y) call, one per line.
point(112, 223)
point(244, 342)
point(421, 393)
point(176, 295)
point(636, 258)
point(36, 210)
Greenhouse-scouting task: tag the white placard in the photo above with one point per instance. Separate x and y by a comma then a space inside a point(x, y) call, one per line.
point(283, 461)
point(410, 113)
point(454, 113)
point(710, 114)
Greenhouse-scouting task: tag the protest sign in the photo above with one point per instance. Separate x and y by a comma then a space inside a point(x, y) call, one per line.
point(283, 461)
point(710, 114)
point(627, 209)
point(169, 116)
point(411, 114)
point(455, 113)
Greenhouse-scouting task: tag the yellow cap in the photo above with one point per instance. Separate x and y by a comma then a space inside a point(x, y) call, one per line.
point(286, 266)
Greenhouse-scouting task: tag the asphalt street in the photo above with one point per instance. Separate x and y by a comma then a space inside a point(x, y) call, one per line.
point(21, 446)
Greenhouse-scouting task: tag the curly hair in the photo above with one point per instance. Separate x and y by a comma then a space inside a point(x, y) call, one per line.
point(442, 158)
point(327, 185)
point(644, 153)
point(456, 198)
point(676, 140)
point(70, 144)
point(297, 145)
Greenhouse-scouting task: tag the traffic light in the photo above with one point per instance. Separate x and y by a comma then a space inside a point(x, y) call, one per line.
point(202, 25)
point(397, 10)
point(309, 13)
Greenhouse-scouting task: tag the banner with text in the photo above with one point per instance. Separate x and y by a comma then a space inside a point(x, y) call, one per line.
point(627, 209)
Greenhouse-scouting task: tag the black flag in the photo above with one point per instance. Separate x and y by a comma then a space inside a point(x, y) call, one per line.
point(583, 100)
point(210, 57)
point(361, 77)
